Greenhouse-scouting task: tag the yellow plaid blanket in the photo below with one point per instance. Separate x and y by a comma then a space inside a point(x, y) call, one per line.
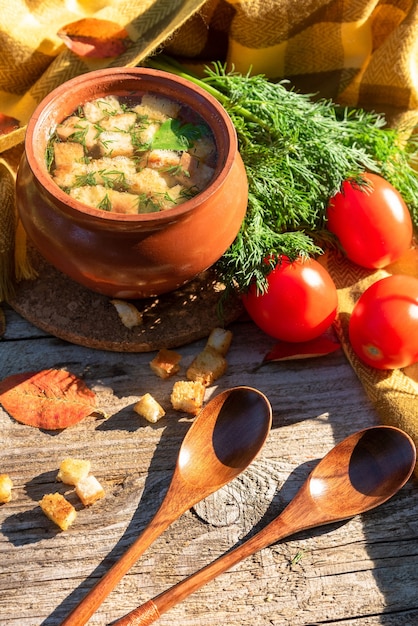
point(359, 52)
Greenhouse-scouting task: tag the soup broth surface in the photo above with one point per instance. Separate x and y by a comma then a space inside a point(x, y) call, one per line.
point(132, 154)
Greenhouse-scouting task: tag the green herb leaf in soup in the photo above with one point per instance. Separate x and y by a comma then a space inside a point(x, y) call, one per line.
point(173, 135)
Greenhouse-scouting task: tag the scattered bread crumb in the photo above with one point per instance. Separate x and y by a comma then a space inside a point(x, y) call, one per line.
point(207, 366)
point(58, 510)
point(149, 408)
point(89, 490)
point(187, 396)
point(220, 340)
point(73, 470)
point(166, 363)
point(6, 485)
point(128, 313)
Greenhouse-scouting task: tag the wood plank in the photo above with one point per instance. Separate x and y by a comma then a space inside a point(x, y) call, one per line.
point(362, 572)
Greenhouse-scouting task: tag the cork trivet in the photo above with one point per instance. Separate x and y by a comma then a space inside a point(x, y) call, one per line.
point(69, 311)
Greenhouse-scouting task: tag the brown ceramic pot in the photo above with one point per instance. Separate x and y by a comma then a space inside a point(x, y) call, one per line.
point(130, 256)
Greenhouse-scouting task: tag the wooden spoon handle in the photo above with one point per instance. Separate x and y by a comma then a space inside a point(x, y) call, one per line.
point(294, 518)
point(153, 609)
point(144, 615)
point(91, 602)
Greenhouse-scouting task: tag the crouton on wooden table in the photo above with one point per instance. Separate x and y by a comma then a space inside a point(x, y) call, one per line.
point(149, 408)
point(166, 363)
point(58, 510)
point(71, 470)
point(6, 485)
point(220, 340)
point(207, 366)
point(89, 490)
point(187, 396)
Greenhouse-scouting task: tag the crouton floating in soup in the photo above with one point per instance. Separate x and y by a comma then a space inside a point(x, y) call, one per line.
point(132, 154)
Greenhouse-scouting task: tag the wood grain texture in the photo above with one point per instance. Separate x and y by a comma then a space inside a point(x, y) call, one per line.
point(362, 572)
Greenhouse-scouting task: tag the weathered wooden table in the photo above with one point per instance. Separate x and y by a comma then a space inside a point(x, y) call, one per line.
point(362, 572)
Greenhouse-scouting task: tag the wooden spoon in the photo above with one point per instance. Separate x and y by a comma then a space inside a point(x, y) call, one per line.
point(360, 473)
point(223, 440)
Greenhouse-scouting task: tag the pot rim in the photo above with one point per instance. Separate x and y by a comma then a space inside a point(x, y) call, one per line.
point(40, 126)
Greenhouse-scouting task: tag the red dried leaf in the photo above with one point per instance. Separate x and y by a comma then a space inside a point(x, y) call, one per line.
point(94, 38)
point(51, 399)
point(7, 124)
point(286, 351)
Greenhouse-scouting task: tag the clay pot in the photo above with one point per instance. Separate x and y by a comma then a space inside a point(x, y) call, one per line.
point(130, 256)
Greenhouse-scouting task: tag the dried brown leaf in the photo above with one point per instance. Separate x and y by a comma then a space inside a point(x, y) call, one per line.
point(95, 38)
point(7, 124)
point(50, 399)
point(287, 351)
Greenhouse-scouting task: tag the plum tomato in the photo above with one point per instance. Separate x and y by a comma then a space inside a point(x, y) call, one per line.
point(300, 302)
point(383, 326)
point(371, 222)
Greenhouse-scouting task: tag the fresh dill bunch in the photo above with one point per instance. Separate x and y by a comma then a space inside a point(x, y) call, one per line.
point(297, 151)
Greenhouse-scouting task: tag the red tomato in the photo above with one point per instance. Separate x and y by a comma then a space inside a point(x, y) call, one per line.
point(300, 302)
point(383, 327)
point(373, 225)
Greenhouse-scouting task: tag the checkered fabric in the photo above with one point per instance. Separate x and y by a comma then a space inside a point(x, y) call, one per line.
point(359, 52)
